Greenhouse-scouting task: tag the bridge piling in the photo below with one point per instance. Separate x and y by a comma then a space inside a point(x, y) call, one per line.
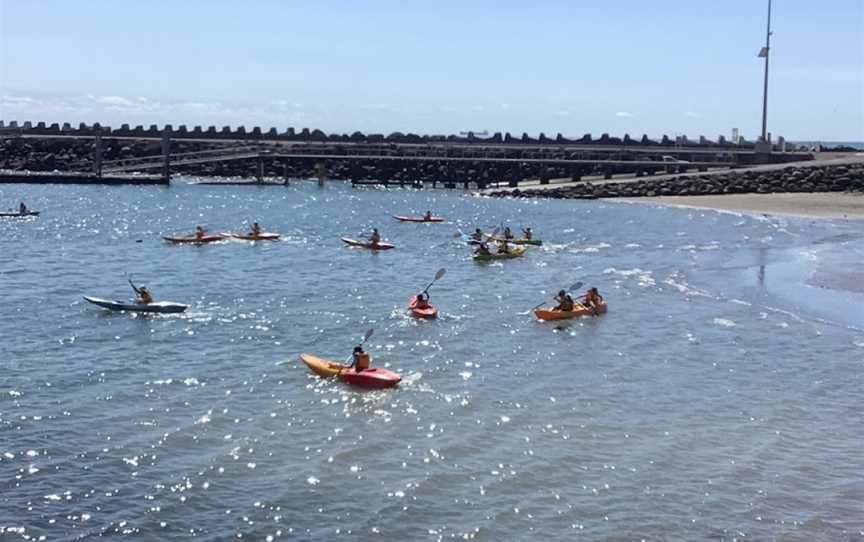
point(97, 158)
point(259, 169)
point(166, 156)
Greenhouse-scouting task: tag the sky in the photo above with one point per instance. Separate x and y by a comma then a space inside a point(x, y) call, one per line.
point(379, 66)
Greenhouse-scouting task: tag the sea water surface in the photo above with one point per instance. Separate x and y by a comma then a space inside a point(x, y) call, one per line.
point(719, 399)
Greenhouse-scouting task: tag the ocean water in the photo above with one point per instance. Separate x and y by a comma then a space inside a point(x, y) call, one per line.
point(719, 398)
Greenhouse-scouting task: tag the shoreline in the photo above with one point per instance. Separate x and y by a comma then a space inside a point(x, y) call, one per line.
point(816, 205)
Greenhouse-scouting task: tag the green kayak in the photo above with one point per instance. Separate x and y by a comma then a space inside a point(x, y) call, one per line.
point(515, 253)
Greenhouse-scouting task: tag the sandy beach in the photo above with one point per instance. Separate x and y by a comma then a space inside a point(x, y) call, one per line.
point(831, 205)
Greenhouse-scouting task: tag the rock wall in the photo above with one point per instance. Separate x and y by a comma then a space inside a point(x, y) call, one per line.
point(838, 178)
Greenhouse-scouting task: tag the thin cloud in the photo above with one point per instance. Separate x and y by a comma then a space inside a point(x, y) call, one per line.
point(623, 114)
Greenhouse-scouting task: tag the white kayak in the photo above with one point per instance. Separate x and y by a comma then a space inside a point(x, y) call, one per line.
point(158, 306)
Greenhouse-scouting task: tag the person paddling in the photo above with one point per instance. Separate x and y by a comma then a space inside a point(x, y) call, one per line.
point(422, 301)
point(428, 216)
point(142, 294)
point(376, 237)
point(256, 230)
point(22, 209)
point(565, 302)
point(592, 299)
point(503, 247)
point(507, 233)
point(362, 360)
point(477, 235)
point(529, 235)
point(200, 232)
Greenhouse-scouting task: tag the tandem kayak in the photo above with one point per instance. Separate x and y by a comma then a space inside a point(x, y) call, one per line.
point(533, 242)
point(194, 239)
point(19, 215)
point(366, 244)
point(374, 377)
point(418, 218)
point(249, 237)
point(427, 313)
point(514, 253)
point(322, 367)
point(158, 306)
point(579, 310)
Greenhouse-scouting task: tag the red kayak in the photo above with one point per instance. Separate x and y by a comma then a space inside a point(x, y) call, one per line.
point(418, 218)
point(251, 237)
point(428, 313)
point(366, 244)
point(193, 239)
point(374, 378)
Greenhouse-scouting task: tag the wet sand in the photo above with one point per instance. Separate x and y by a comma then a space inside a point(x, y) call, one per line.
point(831, 205)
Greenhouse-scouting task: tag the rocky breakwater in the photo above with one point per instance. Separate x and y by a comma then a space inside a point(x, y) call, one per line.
point(834, 178)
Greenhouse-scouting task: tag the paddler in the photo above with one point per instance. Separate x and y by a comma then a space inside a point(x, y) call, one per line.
point(142, 295)
point(256, 230)
point(565, 302)
point(482, 249)
point(422, 301)
point(592, 298)
point(22, 209)
point(361, 359)
point(200, 232)
point(376, 237)
point(477, 235)
point(428, 216)
point(503, 247)
point(507, 233)
point(528, 233)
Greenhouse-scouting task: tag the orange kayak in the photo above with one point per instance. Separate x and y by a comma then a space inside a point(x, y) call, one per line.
point(579, 310)
point(428, 312)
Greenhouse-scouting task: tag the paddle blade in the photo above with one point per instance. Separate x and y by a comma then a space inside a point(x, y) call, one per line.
point(440, 273)
point(368, 334)
point(575, 286)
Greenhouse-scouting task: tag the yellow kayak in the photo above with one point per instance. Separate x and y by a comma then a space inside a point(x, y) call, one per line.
point(579, 310)
point(322, 367)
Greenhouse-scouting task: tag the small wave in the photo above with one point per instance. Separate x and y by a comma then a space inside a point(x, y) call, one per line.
point(643, 276)
point(724, 322)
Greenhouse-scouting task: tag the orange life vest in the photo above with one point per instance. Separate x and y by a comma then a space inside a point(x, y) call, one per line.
point(362, 361)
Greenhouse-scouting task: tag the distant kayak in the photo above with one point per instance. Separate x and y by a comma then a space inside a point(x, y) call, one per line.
point(158, 306)
point(374, 377)
point(20, 215)
point(418, 218)
point(534, 242)
point(250, 237)
point(579, 310)
point(514, 253)
point(367, 244)
point(427, 313)
point(194, 239)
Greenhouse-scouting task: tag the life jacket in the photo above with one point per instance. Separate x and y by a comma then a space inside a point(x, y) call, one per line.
point(362, 361)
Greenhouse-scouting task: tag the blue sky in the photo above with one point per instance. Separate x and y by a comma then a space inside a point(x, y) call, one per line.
point(665, 66)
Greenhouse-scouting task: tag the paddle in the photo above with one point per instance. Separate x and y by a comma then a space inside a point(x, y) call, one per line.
point(365, 338)
point(438, 276)
point(137, 291)
point(572, 287)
